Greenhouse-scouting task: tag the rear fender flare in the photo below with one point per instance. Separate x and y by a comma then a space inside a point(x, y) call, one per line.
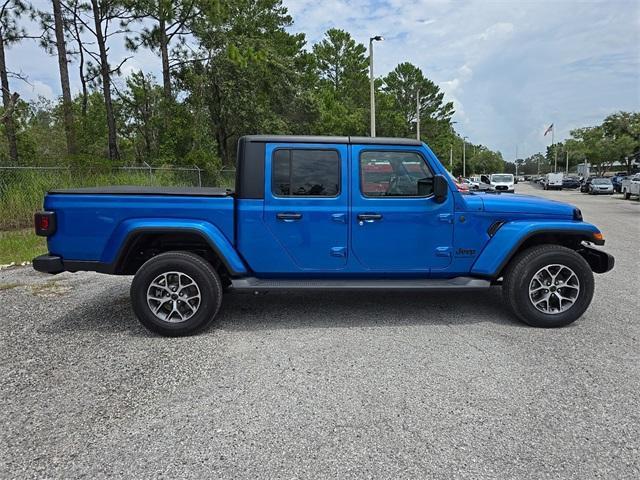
point(118, 243)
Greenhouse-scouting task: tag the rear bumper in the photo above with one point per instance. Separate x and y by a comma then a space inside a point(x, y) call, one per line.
point(55, 264)
point(48, 264)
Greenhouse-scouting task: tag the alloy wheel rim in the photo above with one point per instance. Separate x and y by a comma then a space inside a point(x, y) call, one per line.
point(554, 289)
point(173, 297)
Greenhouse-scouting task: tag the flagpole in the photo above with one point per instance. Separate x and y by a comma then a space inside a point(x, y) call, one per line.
point(553, 136)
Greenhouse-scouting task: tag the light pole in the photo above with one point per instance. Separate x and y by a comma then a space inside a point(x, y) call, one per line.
point(464, 157)
point(418, 114)
point(451, 159)
point(377, 38)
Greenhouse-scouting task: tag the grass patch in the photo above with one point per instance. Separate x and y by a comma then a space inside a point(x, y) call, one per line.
point(20, 246)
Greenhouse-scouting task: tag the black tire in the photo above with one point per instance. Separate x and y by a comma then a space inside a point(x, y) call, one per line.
point(627, 196)
point(193, 267)
point(519, 275)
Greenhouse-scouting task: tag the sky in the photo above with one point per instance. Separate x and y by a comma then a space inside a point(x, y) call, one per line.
point(510, 67)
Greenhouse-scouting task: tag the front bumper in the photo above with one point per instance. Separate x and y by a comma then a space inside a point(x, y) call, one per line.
point(48, 264)
point(599, 261)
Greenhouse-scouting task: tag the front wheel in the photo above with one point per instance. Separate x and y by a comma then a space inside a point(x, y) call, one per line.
point(548, 286)
point(176, 294)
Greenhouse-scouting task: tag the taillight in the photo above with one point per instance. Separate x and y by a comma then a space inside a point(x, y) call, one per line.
point(45, 223)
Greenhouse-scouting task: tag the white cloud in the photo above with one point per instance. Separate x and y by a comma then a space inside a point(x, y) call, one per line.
point(34, 90)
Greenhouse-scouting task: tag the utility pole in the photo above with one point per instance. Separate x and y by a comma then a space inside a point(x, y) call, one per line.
point(516, 160)
point(418, 114)
point(566, 168)
point(451, 159)
point(464, 157)
point(377, 38)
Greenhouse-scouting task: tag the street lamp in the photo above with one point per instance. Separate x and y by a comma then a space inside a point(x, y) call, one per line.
point(377, 38)
point(464, 157)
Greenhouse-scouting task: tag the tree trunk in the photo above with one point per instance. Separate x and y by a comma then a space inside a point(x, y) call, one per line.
point(83, 80)
point(67, 106)
point(106, 82)
point(8, 103)
point(164, 51)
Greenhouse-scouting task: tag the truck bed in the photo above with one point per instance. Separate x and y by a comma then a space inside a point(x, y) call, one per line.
point(134, 190)
point(92, 223)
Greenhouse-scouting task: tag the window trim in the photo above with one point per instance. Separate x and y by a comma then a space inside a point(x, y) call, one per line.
point(361, 177)
point(314, 149)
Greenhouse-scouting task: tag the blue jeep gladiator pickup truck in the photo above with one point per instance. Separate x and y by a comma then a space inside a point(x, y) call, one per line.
point(325, 213)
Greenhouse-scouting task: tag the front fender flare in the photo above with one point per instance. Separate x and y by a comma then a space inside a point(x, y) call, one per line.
point(511, 235)
point(128, 229)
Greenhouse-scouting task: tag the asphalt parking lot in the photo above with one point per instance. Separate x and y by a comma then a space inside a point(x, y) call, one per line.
point(324, 385)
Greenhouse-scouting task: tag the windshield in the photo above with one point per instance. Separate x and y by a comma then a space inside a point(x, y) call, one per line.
point(502, 178)
point(601, 181)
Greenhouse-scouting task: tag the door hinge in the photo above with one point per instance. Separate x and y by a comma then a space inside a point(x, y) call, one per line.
point(446, 217)
point(443, 252)
point(339, 217)
point(338, 251)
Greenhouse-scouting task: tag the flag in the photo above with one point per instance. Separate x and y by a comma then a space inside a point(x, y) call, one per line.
point(550, 129)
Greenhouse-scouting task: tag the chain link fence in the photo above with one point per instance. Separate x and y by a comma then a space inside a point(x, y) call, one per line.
point(22, 188)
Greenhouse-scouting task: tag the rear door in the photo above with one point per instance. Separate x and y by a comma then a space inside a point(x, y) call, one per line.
point(306, 203)
point(393, 228)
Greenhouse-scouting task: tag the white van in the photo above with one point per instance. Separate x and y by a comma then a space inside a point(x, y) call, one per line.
point(502, 182)
point(552, 181)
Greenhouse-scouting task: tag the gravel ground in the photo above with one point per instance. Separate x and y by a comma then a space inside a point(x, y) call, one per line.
point(324, 385)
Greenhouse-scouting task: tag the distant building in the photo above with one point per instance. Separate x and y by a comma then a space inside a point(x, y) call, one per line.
point(584, 169)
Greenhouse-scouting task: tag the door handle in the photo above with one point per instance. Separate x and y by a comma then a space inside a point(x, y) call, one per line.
point(369, 217)
point(288, 216)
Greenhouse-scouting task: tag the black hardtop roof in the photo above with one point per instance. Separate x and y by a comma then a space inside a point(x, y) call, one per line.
point(329, 139)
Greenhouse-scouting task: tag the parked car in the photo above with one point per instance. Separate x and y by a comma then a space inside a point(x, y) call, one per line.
point(478, 183)
point(631, 186)
point(570, 182)
point(552, 181)
point(600, 185)
point(585, 184)
point(616, 180)
point(502, 182)
point(305, 214)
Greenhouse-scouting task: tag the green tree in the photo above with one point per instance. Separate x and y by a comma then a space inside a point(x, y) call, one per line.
point(11, 33)
point(622, 129)
point(54, 39)
point(171, 21)
point(402, 86)
point(342, 85)
point(245, 71)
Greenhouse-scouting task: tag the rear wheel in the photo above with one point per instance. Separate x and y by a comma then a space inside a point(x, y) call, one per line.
point(176, 293)
point(548, 286)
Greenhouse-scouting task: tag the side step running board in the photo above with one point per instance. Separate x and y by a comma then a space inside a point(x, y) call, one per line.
point(458, 283)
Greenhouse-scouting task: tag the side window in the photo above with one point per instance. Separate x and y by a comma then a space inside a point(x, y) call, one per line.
point(392, 174)
point(305, 172)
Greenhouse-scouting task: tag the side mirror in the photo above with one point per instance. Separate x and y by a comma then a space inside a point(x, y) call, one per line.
point(440, 188)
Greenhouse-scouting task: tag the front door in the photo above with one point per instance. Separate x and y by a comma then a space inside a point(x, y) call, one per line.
point(394, 229)
point(306, 204)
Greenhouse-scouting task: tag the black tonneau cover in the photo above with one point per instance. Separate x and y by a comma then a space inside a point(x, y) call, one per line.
point(133, 190)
